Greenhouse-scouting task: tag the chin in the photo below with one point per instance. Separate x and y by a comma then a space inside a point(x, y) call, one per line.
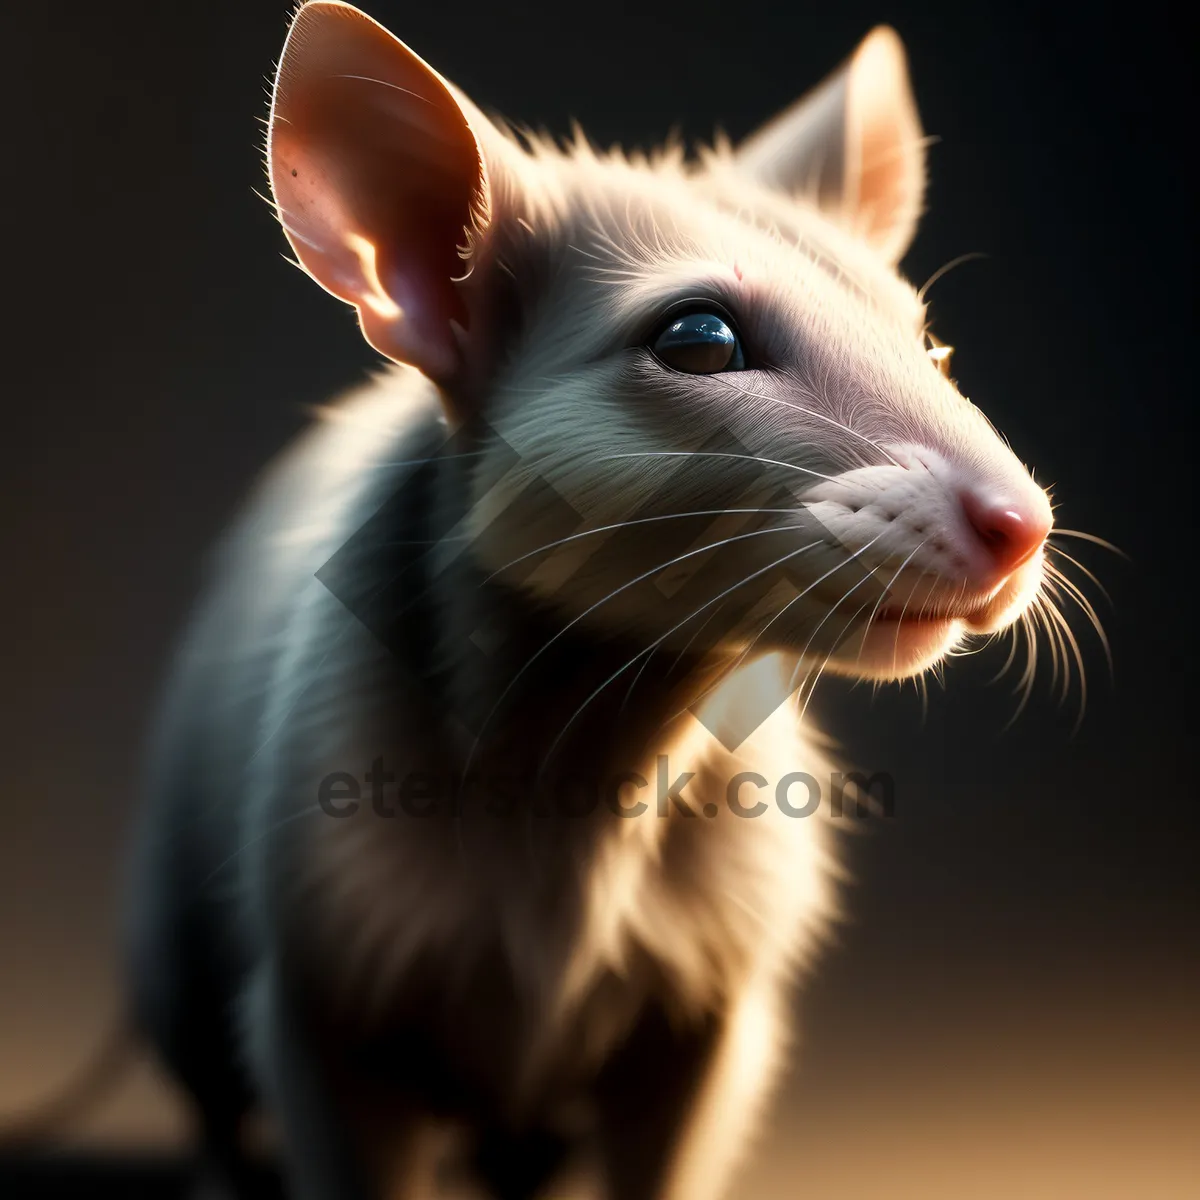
point(892, 650)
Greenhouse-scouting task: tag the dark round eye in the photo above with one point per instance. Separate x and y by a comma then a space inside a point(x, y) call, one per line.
point(699, 343)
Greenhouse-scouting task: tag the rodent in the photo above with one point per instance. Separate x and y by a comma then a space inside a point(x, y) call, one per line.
point(660, 441)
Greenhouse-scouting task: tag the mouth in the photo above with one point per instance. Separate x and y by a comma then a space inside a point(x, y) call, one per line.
point(901, 640)
point(895, 644)
point(939, 617)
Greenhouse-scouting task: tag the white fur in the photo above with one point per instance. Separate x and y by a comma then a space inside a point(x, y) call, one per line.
point(854, 447)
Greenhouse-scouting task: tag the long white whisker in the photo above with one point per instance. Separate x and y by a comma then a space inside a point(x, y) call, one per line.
point(1088, 537)
point(658, 641)
point(1061, 553)
point(882, 595)
point(899, 626)
point(833, 608)
point(684, 649)
point(1012, 633)
point(706, 512)
point(773, 462)
point(1085, 606)
point(801, 595)
point(273, 829)
point(811, 412)
point(604, 600)
point(1025, 683)
point(1059, 650)
point(1069, 635)
point(830, 653)
point(384, 83)
point(945, 269)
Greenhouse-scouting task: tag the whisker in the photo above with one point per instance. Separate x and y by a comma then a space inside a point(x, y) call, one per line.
point(801, 595)
point(307, 811)
point(675, 628)
point(1069, 635)
point(773, 462)
point(1090, 537)
point(945, 269)
point(1014, 637)
point(686, 647)
point(1085, 606)
point(604, 600)
point(899, 626)
point(1058, 648)
point(870, 575)
point(1061, 553)
point(704, 512)
point(812, 413)
point(883, 595)
point(832, 650)
point(384, 83)
point(422, 462)
point(924, 686)
point(1025, 682)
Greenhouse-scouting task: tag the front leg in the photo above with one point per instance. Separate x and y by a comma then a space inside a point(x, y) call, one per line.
point(340, 1141)
point(678, 1107)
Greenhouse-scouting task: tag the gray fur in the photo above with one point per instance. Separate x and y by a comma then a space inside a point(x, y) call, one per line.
point(532, 979)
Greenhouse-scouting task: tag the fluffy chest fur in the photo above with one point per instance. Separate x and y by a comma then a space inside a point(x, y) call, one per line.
point(568, 920)
point(547, 933)
point(489, 709)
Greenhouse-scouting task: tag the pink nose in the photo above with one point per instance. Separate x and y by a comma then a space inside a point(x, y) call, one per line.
point(1010, 532)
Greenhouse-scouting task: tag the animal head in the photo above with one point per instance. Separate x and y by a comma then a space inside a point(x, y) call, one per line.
point(702, 398)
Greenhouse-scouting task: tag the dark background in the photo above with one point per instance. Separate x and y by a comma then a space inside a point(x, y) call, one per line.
point(1012, 1006)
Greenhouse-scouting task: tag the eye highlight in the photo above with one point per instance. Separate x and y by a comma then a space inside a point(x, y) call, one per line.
point(701, 342)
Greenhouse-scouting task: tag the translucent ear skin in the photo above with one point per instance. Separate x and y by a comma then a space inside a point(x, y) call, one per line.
point(803, 149)
point(854, 145)
point(374, 170)
point(888, 145)
point(377, 168)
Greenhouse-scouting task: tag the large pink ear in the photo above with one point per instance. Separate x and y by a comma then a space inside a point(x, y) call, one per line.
point(854, 145)
point(376, 175)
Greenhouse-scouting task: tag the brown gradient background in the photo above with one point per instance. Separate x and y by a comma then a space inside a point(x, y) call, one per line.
point(1013, 1008)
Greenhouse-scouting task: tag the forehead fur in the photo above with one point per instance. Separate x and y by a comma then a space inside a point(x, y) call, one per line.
point(596, 243)
point(644, 222)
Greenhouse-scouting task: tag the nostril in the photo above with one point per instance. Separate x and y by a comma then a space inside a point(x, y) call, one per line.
point(999, 529)
point(1010, 533)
